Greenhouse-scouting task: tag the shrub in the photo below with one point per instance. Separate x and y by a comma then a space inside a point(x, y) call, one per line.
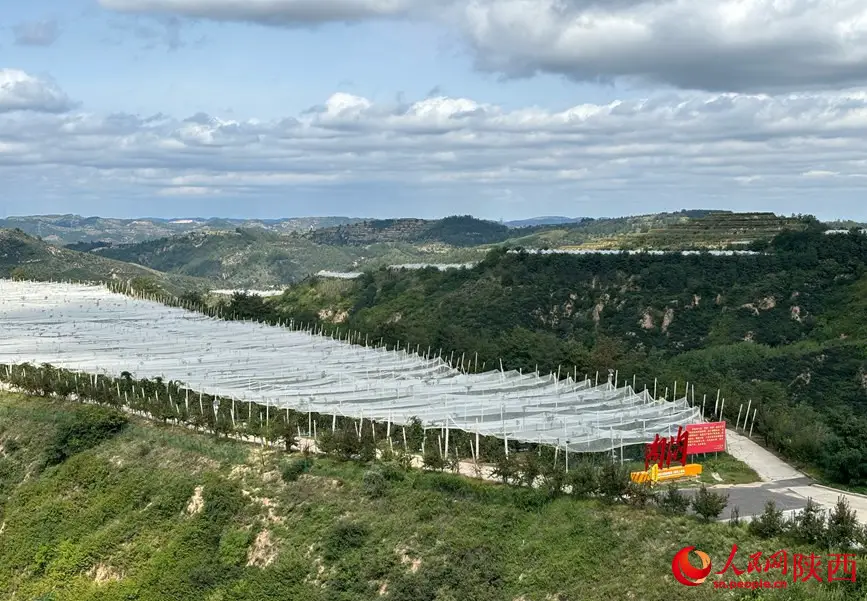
point(374, 484)
point(343, 537)
point(770, 523)
point(393, 471)
point(809, 524)
point(708, 504)
point(614, 481)
point(673, 501)
point(639, 494)
point(292, 470)
point(842, 526)
point(583, 479)
point(506, 469)
point(432, 459)
point(88, 427)
point(735, 517)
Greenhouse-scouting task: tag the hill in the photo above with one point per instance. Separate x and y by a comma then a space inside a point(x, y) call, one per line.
point(94, 508)
point(782, 328)
point(458, 231)
point(256, 258)
point(25, 257)
point(547, 220)
point(664, 231)
point(72, 229)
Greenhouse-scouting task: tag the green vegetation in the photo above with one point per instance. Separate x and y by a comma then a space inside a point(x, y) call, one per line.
point(784, 329)
point(253, 254)
point(155, 512)
point(23, 257)
point(257, 258)
point(86, 233)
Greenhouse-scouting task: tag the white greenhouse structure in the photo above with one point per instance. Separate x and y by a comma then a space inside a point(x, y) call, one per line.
point(91, 329)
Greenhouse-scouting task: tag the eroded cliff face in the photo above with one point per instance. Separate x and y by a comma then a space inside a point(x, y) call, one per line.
point(622, 306)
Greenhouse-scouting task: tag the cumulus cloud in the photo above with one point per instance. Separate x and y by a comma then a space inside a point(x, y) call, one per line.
point(22, 92)
point(36, 33)
point(723, 45)
point(697, 146)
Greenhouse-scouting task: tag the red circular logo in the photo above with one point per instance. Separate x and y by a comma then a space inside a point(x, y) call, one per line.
point(685, 572)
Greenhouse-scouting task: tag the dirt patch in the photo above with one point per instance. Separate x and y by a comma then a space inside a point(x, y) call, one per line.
point(197, 502)
point(751, 307)
point(767, 303)
point(263, 552)
point(239, 472)
point(414, 563)
point(647, 321)
point(667, 319)
point(103, 574)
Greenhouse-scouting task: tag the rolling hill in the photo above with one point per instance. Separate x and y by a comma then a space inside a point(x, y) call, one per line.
point(25, 257)
point(256, 258)
point(71, 229)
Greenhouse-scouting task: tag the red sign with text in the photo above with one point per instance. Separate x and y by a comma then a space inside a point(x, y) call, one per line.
point(706, 438)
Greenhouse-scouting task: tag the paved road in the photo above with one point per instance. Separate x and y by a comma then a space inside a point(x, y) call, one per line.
point(782, 483)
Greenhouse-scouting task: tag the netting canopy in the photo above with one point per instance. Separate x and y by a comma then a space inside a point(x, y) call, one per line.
point(91, 329)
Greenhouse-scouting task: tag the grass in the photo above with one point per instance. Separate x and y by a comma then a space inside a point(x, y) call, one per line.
point(160, 513)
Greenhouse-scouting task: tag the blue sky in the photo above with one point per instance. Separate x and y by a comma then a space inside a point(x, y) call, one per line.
point(431, 108)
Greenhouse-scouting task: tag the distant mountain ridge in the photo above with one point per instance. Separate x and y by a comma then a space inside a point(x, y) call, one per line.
point(546, 220)
point(70, 229)
point(24, 257)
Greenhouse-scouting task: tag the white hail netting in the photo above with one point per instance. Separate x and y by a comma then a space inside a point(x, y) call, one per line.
point(90, 329)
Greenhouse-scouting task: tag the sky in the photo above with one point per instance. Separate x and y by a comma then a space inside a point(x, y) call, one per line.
point(503, 109)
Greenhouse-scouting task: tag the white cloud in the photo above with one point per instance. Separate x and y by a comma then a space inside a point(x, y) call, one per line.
point(720, 45)
point(22, 92)
point(696, 146)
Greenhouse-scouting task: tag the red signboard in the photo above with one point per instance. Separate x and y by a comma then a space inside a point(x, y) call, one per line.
point(662, 451)
point(706, 438)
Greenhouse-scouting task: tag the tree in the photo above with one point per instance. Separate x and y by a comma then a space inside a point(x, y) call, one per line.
point(843, 525)
point(708, 504)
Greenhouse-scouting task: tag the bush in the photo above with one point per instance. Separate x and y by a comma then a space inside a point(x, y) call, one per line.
point(374, 484)
point(673, 501)
point(88, 427)
point(614, 481)
point(583, 479)
point(708, 504)
point(393, 471)
point(770, 523)
point(292, 470)
point(735, 517)
point(344, 537)
point(639, 494)
point(843, 527)
point(809, 524)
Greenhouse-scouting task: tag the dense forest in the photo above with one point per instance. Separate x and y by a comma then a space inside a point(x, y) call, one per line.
point(785, 328)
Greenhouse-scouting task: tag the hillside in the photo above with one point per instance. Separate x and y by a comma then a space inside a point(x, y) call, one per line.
point(72, 229)
point(94, 509)
point(25, 257)
point(784, 328)
point(453, 231)
point(664, 231)
point(258, 258)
